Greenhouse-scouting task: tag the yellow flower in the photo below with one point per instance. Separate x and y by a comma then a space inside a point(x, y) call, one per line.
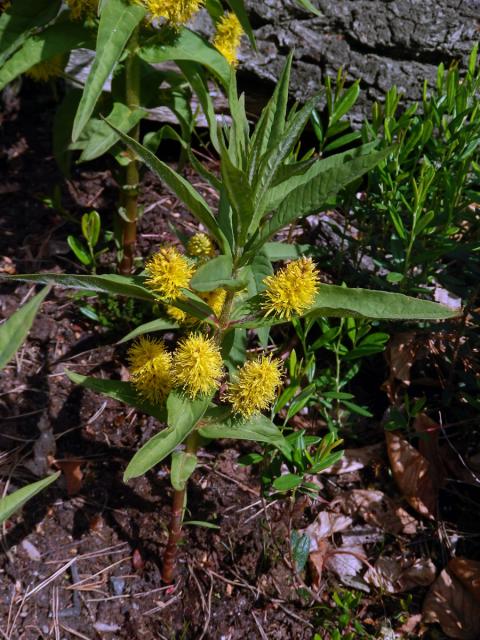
point(83, 8)
point(215, 300)
point(197, 365)
point(169, 272)
point(200, 246)
point(177, 314)
point(43, 71)
point(177, 12)
point(255, 387)
point(292, 290)
point(228, 36)
point(151, 369)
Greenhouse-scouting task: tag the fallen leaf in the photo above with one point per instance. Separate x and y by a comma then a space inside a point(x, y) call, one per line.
point(428, 446)
point(398, 575)
point(73, 475)
point(325, 525)
point(346, 560)
point(412, 474)
point(468, 572)
point(400, 354)
point(356, 459)
point(378, 509)
point(452, 606)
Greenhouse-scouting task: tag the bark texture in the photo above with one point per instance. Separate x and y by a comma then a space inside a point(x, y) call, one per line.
point(381, 42)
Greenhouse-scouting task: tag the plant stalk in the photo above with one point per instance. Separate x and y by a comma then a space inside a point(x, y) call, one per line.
point(176, 519)
point(191, 446)
point(130, 186)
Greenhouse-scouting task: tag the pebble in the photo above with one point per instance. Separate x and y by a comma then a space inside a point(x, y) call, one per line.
point(31, 550)
point(103, 626)
point(118, 585)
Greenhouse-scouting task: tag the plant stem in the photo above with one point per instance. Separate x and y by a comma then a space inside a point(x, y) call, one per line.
point(130, 187)
point(176, 520)
point(191, 446)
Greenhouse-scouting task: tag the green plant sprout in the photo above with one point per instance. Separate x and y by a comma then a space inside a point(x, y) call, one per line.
point(208, 385)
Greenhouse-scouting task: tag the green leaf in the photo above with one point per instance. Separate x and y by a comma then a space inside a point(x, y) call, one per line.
point(335, 301)
point(56, 39)
point(190, 47)
point(15, 329)
point(326, 167)
point(306, 4)
point(272, 121)
point(215, 273)
point(283, 251)
point(79, 250)
point(11, 503)
point(20, 19)
point(130, 286)
point(287, 482)
point(118, 390)
point(275, 157)
point(345, 103)
point(183, 415)
point(177, 183)
point(183, 465)
point(100, 137)
point(300, 545)
point(313, 195)
point(117, 22)
point(150, 327)
point(258, 429)
point(194, 75)
point(201, 523)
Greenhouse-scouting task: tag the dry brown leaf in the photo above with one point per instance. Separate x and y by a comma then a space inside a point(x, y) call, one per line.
point(428, 446)
point(73, 475)
point(400, 355)
point(398, 575)
point(356, 459)
point(450, 604)
point(378, 509)
point(325, 525)
point(468, 572)
point(412, 474)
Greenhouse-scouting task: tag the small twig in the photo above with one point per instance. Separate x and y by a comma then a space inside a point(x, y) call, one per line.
point(259, 626)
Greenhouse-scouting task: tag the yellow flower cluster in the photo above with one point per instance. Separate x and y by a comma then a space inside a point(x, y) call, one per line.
point(80, 9)
point(292, 290)
point(151, 369)
point(200, 246)
point(256, 386)
point(176, 12)
point(196, 366)
point(43, 71)
point(228, 36)
point(168, 273)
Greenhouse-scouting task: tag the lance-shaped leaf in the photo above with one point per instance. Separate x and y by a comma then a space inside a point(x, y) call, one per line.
point(118, 390)
point(177, 183)
point(20, 19)
point(342, 302)
point(214, 274)
point(117, 22)
point(183, 465)
point(190, 47)
point(311, 196)
point(183, 415)
point(14, 330)
point(160, 324)
point(11, 503)
point(57, 39)
point(99, 137)
point(131, 286)
point(258, 429)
